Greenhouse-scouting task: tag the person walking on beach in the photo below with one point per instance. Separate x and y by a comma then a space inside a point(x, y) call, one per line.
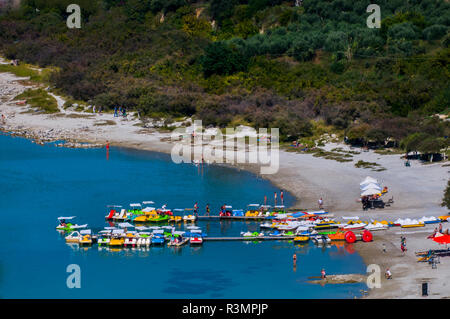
point(115, 111)
point(388, 274)
point(196, 209)
point(207, 210)
point(403, 244)
point(320, 202)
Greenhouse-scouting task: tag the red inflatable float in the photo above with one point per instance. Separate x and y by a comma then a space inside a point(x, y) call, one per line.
point(350, 237)
point(367, 236)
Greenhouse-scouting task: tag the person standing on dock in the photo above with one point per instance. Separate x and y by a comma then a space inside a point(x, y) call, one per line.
point(207, 210)
point(196, 209)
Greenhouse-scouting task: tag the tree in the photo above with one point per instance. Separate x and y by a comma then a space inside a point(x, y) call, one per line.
point(357, 134)
point(435, 32)
point(376, 135)
point(411, 142)
point(431, 145)
point(219, 58)
point(446, 199)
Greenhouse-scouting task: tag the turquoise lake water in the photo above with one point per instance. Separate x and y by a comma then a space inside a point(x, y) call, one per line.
point(40, 183)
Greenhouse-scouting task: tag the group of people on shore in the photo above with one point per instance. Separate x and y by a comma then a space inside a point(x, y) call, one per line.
point(439, 230)
point(120, 109)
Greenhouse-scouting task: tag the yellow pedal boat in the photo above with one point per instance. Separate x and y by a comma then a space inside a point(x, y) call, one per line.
point(116, 242)
point(175, 219)
point(301, 239)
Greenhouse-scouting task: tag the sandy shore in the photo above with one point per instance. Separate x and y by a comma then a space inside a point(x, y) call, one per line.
point(417, 190)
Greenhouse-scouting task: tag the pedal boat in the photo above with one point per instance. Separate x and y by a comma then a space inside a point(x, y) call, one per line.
point(189, 218)
point(301, 239)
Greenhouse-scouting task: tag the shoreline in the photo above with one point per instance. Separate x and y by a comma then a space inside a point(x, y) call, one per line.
point(417, 190)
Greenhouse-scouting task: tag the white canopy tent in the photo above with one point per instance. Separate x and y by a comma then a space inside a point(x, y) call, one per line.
point(368, 180)
point(371, 185)
point(370, 191)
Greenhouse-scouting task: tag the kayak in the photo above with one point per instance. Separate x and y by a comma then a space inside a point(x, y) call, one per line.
point(413, 225)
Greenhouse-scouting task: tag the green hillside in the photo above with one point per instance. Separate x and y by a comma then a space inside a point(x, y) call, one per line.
point(265, 63)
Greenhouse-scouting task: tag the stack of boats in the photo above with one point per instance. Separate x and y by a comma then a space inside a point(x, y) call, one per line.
point(149, 214)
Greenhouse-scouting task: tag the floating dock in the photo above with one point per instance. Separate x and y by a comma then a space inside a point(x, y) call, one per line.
point(215, 217)
point(233, 217)
point(249, 238)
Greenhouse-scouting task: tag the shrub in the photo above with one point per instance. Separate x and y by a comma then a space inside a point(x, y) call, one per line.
point(219, 58)
point(435, 32)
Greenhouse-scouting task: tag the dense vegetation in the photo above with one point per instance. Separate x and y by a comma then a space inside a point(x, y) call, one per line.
point(446, 199)
point(266, 63)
